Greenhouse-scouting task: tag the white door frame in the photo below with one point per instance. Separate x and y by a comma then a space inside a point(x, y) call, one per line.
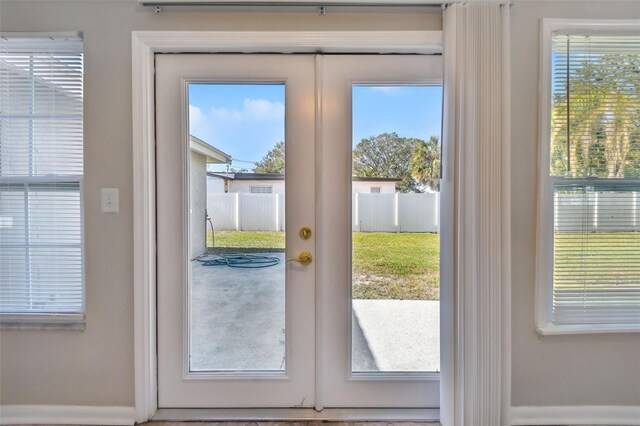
point(293, 384)
point(144, 46)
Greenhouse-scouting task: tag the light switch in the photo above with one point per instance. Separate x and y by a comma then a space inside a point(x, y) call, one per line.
point(109, 200)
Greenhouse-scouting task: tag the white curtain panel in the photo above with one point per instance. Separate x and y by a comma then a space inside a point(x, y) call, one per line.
point(476, 173)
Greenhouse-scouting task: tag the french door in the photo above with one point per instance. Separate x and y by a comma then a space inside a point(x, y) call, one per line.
point(255, 241)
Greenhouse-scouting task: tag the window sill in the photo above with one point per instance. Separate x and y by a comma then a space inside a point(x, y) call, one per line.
point(43, 322)
point(551, 329)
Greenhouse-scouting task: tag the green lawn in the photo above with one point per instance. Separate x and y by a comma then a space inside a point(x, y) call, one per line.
point(406, 266)
point(396, 265)
point(248, 239)
point(605, 258)
point(385, 265)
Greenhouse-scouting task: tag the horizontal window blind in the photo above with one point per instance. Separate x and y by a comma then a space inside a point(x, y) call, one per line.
point(596, 272)
point(596, 106)
point(595, 169)
point(41, 167)
point(40, 107)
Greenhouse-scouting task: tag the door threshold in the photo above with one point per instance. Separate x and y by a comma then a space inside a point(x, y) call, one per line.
point(297, 414)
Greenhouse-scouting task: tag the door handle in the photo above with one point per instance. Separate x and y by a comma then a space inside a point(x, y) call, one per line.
point(304, 258)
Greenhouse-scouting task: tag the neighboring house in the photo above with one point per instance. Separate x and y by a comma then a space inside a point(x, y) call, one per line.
point(252, 183)
point(201, 154)
point(374, 185)
point(272, 183)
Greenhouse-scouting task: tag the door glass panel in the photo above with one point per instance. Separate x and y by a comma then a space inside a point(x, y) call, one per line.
point(395, 238)
point(237, 224)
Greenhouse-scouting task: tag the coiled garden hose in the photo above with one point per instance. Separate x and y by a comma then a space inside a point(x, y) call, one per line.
point(239, 260)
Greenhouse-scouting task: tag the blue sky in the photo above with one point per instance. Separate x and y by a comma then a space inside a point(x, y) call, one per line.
point(410, 111)
point(246, 121)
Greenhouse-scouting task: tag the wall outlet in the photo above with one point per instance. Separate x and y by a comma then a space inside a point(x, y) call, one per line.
point(109, 200)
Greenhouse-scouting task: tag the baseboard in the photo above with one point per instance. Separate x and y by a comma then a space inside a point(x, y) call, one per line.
point(576, 415)
point(297, 415)
point(66, 414)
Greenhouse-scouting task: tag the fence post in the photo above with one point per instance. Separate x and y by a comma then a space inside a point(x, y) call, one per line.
point(437, 212)
point(396, 207)
point(237, 206)
point(356, 216)
point(277, 215)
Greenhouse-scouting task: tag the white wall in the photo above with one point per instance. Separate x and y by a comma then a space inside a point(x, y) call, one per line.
point(365, 187)
point(214, 185)
point(198, 203)
point(598, 369)
point(95, 366)
point(277, 186)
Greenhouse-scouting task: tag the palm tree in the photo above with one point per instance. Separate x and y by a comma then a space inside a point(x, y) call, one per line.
point(425, 163)
point(603, 117)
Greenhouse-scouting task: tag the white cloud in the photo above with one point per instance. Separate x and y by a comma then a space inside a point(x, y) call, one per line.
point(253, 127)
point(261, 109)
point(252, 110)
point(196, 116)
point(227, 115)
point(198, 123)
point(387, 90)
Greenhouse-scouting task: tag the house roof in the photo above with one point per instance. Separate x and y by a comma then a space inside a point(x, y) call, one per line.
point(374, 179)
point(214, 155)
point(278, 176)
point(246, 176)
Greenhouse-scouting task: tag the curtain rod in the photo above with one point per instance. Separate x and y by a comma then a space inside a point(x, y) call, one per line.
point(313, 4)
point(280, 4)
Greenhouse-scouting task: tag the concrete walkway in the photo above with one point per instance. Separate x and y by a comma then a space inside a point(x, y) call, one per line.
point(400, 335)
point(237, 317)
point(238, 323)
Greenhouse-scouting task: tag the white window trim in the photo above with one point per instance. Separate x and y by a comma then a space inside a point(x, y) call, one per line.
point(42, 321)
point(144, 46)
point(544, 240)
point(57, 321)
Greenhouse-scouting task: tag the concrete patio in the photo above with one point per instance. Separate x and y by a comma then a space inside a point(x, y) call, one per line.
point(238, 323)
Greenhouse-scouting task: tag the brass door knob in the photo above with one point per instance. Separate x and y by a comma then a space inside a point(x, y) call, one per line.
point(305, 233)
point(304, 258)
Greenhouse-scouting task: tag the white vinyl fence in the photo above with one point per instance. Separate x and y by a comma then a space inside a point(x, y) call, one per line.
point(597, 212)
point(246, 212)
point(396, 212)
point(371, 212)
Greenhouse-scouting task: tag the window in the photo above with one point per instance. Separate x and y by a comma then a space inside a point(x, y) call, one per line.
point(262, 189)
point(588, 274)
point(41, 169)
point(375, 190)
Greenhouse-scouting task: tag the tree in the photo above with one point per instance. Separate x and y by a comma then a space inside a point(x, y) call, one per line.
point(425, 163)
point(386, 155)
point(604, 132)
point(273, 161)
point(237, 170)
